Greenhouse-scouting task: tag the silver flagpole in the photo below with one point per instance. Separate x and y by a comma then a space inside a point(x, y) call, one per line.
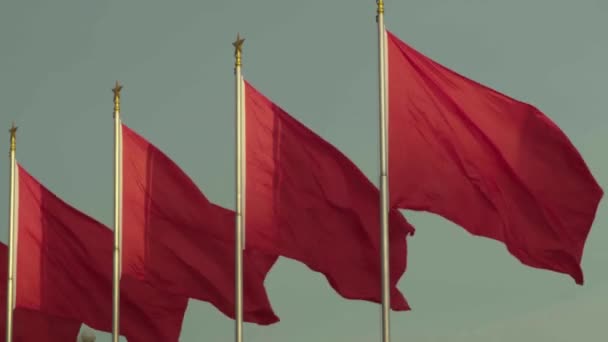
point(384, 198)
point(243, 164)
point(238, 44)
point(117, 216)
point(10, 298)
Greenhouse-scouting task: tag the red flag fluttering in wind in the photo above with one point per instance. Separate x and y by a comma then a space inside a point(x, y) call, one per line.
point(28, 325)
point(174, 238)
point(64, 268)
point(306, 201)
point(495, 166)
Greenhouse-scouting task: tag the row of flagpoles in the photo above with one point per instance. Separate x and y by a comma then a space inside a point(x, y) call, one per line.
point(239, 241)
point(566, 260)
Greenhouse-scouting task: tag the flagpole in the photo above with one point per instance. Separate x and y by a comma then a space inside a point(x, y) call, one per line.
point(384, 198)
point(117, 222)
point(238, 44)
point(10, 298)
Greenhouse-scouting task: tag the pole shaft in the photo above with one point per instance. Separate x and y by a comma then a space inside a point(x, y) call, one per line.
point(10, 296)
point(384, 195)
point(239, 200)
point(117, 216)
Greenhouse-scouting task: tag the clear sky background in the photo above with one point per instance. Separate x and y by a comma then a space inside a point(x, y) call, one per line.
point(317, 59)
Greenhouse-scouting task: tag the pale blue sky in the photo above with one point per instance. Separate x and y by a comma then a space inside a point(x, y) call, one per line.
point(317, 59)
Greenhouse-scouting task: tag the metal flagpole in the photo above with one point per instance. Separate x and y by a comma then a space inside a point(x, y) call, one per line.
point(243, 164)
point(117, 212)
point(384, 198)
point(238, 44)
point(10, 298)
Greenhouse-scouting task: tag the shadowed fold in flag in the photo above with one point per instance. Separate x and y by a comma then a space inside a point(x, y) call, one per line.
point(174, 238)
point(64, 268)
point(32, 326)
point(307, 201)
point(496, 166)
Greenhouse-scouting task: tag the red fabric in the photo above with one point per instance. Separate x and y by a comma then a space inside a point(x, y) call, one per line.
point(29, 326)
point(64, 268)
point(33, 326)
point(307, 201)
point(175, 238)
point(496, 166)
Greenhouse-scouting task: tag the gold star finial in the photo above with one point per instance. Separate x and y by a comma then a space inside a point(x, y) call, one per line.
point(13, 129)
point(116, 90)
point(238, 48)
point(13, 132)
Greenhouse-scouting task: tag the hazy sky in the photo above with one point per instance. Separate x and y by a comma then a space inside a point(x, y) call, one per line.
point(317, 59)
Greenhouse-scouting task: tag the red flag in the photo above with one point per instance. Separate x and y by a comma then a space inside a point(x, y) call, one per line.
point(175, 238)
point(496, 166)
point(307, 201)
point(64, 268)
point(29, 325)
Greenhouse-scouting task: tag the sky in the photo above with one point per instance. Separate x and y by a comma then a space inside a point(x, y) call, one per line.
point(318, 60)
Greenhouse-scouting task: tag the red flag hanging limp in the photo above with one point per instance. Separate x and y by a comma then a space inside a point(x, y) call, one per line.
point(305, 200)
point(174, 238)
point(64, 268)
point(496, 166)
point(32, 326)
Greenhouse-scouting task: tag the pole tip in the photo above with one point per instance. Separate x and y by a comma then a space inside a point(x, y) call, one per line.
point(116, 90)
point(238, 49)
point(380, 4)
point(13, 129)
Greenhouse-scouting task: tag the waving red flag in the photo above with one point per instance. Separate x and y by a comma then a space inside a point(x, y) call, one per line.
point(307, 201)
point(30, 325)
point(174, 238)
point(495, 166)
point(64, 268)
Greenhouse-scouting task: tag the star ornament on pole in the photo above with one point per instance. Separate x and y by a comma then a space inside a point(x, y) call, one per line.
point(238, 48)
point(13, 129)
point(13, 132)
point(116, 90)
